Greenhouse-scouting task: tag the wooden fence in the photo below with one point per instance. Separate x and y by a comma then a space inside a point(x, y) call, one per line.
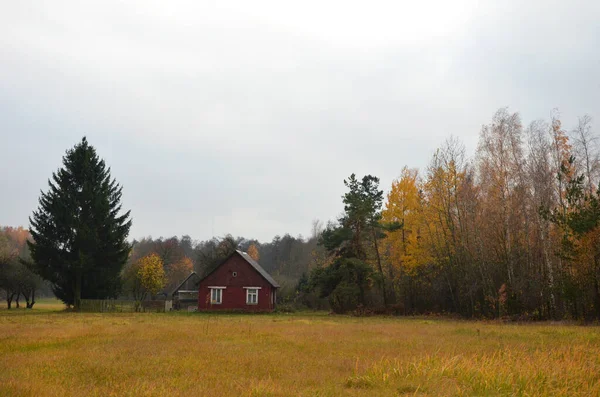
point(122, 306)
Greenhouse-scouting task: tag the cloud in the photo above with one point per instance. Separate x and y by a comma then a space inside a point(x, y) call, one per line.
point(245, 117)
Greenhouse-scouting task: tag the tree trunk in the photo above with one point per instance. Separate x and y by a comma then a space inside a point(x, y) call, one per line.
point(597, 297)
point(9, 298)
point(452, 294)
point(77, 292)
point(385, 303)
point(29, 298)
point(549, 270)
point(393, 293)
point(596, 286)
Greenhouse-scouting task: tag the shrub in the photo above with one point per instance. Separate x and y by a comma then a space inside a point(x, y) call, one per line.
point(345, 297)
point(286, 308)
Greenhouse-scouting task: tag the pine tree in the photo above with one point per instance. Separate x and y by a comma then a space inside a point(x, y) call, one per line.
point(79, 233)
point(357, 233)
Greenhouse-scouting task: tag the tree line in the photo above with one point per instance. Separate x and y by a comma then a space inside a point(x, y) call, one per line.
point(286, 257)
point(512, 231)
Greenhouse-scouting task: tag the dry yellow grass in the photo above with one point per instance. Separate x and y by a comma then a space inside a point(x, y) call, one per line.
point(45, 353)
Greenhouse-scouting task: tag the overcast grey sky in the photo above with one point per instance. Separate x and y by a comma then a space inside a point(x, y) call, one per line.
point(244, 117)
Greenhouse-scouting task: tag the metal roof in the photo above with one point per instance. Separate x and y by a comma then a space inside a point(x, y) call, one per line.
point(184, 281)
point(258, 268)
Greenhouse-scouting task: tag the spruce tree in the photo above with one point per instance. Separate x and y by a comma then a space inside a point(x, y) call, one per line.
point(79, 231)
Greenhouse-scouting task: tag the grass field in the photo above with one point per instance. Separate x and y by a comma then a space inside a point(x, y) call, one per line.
point(45, 352)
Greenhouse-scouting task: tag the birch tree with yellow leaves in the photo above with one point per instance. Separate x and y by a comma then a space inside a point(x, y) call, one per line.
point(513, 231)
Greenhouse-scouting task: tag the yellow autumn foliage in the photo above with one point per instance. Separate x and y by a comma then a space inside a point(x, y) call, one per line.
point(404, 205)
point(253, 252)
point(151, 273)
point(145, 276)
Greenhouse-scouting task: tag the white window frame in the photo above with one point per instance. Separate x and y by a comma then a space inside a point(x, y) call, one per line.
point(218, 295)
point(248, 294)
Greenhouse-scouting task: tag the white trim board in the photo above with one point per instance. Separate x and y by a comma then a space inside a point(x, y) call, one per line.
point(252, 287)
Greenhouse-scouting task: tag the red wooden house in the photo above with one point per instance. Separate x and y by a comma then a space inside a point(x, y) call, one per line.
point(238, 283)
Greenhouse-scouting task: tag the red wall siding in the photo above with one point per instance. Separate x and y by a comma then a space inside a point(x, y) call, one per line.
point(234, 296)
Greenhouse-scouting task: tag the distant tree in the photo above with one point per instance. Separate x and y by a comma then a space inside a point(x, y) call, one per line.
point(151, 274)
point(144, 277)
point(213, 252)
point(6, 250)
point(28, 282)
point(587, 152)
point(316, 229)
point(16, 277)
point(169, 250)
point(187, 246)
point(178, 271)
point(8, 275)
point(253, 252)
point(79, 232)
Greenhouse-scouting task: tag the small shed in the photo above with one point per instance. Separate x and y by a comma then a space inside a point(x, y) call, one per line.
point(238, 283)
point(185, 296)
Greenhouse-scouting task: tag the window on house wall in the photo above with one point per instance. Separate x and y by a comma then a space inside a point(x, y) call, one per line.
point(216, 296)
point(251, 296)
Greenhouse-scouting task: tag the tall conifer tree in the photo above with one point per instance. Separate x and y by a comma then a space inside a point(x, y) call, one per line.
point(79, 231)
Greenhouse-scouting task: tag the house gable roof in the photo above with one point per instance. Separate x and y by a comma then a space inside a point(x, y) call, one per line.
point(184, 281)
point(258, 268)
point(252, 263)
